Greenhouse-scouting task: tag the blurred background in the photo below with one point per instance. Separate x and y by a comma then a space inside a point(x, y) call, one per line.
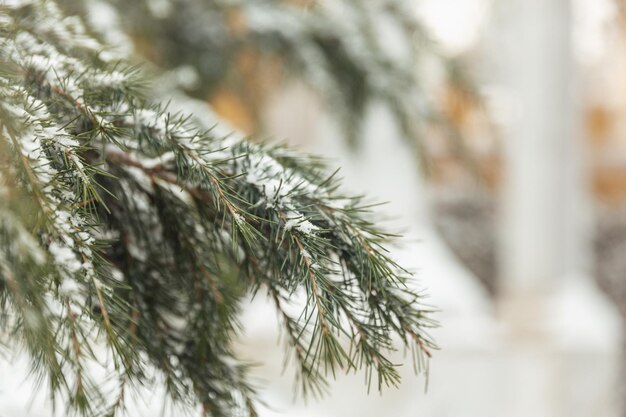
point(496, 132)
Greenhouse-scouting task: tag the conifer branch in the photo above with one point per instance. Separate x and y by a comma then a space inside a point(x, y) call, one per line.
point(124, 225)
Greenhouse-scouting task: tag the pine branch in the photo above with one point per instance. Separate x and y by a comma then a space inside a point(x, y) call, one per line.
point(125, 226)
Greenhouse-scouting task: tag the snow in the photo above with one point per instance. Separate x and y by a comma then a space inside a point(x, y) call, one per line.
point(113, 79)
point(239, 218)
point(151, 119)
point(117, 275)
point(161, 160)
point(27, 50)
point(103, 18)
point(298, 221)
point(307, 227)
point(65, 224)
point(175, 322)
point(69, 287)
point(31, 148)
point(277, 183)
point(289, 224)
point(140, 177)
point(65, 257)
point(186, 76)
point(17, 3)
point(160, 8)
point(176, 190)
point(136, 252)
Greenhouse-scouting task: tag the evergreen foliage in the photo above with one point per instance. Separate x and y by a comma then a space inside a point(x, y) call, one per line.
point(129, 233)
point(353, 54)
point(339, 48)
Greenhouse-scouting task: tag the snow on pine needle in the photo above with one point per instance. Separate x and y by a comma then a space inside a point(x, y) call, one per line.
point(125, 226)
